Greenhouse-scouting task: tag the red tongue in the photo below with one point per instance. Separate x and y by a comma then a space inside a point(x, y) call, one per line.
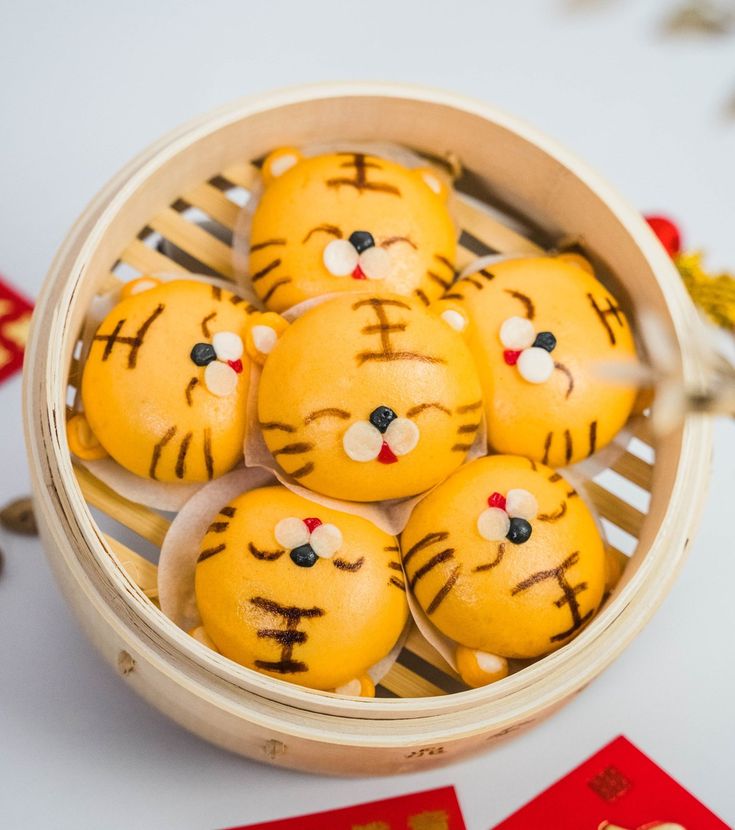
point(386, 455)
point(236, 365)
point(358, 274)
point(511, 356)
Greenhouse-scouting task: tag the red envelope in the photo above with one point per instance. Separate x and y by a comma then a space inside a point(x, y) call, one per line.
point(618, 788)
point(15, 317)
point(429, 810)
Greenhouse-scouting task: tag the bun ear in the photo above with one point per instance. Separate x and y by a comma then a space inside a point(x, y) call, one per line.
point(82, 441)
point(144, 283)
point(452, 314)
point(278, 162)
point(578, 260)
point(264, 331)
point(434, 181)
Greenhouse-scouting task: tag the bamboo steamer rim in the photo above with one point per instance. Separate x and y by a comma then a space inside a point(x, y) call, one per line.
point(269, 701)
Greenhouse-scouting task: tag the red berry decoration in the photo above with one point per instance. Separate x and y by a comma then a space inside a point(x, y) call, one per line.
point(510, 356)
point(497, 500)
point(312, 523)
point(667, 232)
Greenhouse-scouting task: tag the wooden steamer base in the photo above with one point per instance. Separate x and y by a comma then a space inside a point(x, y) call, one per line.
point(424, 716)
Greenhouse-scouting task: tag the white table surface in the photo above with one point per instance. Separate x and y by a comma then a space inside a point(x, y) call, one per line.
point(85, 86)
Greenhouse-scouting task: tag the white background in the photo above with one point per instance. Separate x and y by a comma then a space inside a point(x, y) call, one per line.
point(83, 87)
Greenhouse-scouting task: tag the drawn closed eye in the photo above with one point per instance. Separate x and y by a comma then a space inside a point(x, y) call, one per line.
point(344, 565)
point(328, 412)
point(331, 230)
point(422, 407)
point(570, 378)
point(393, 240)
point(265, 555)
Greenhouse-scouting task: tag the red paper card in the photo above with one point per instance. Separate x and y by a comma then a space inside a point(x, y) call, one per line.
point(618, 788)
point(15, 317)
point(429, 810)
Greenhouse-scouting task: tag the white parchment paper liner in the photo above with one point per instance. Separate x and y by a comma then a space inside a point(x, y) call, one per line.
point(180, 550)
point(160, 495)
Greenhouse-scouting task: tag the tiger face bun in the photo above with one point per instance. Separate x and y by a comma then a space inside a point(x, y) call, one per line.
point(165, 382)
point(339, 221)
point(539, 329)
point(369, 397)
point(505, 559)
point(299, 591)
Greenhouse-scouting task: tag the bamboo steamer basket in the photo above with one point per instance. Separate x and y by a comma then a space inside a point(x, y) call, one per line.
point(93, 537)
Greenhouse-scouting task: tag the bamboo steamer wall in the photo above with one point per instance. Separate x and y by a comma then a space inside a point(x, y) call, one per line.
point(425, 717)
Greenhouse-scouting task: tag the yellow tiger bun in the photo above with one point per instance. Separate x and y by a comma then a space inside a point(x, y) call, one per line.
point(165, 382)
point(539, 328)
point(506, 560)
point(300, 592)
point(335, 222)
point(368, 397)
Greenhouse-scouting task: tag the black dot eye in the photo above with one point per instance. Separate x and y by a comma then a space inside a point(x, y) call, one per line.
point(203, 353)
point(545, 340)
point(303, 556)
point(381, 417)
point(519, 531)
point(361, 241)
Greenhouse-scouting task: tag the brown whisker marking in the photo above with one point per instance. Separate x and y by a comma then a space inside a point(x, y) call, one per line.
point(525, 299)
point(572, 493)
point(216, 292)
point(437, 559)
point(445, 284)
point(376, 187)
point(602, 315)
point(156, 456)
point(293, 449)
point(593, 437)
point(445, 261)
point(207, 552)
point(282, 666)
point(330, 229)
point(427, 540)
point(416, 410)
point(422, 296)
point(382, 357)
point(276, 285)
point(488, 275)
point(303, 471)
point(468, 407)
point(391, 548)
point(265, 555)
point(444, 590)
point(323, 413)
point(386, 243)
point(534, 467)
point(268, 242)
point(343, 565)
point(540, 576)
point(490, 565)
point(461, 447)
point(554, 515)
point(577, 590)
point(218, 527)
point(207, 450)
point(181, 460)
point(228, 511)
point(205, 328)
point(258, 275)
point(570, 379)
point(468, 429)
point(270, 425)
point(478, 285)
point(568, 449)
point(453, 295)
point(547, 447)
point(190, 386)
point(395, 566)
point(554, 477)
point(399, 583)
point(562, 635)
point(110, 338)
